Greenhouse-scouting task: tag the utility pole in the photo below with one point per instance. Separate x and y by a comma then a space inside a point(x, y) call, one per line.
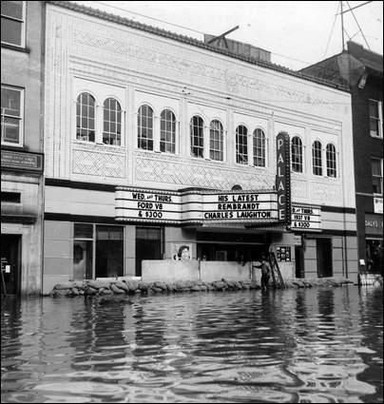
point(342, 26)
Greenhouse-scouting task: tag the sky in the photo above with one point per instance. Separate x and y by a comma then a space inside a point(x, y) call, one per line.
point(297, 33)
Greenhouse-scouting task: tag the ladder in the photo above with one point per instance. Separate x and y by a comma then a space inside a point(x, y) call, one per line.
point(278, 281)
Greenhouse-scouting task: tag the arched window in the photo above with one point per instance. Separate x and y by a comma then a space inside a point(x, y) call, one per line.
point(145, 128)
point(197, 136)
point(258, 148)
point(112, 122)
point(241, 145)
point(317, 158)
point(297, 154)
point(167, 131)
point(85, 117)
point(331, 160)
point(216, 143)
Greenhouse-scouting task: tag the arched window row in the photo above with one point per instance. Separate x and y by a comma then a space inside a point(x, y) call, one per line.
point(86, 119)
point(297, 158)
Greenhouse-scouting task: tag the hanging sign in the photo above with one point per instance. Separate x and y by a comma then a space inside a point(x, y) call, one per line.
point(305, 217)
point(283, 178)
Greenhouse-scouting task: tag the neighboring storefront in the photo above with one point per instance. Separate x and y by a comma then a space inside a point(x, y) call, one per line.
point(167, 150)
point(22, 159)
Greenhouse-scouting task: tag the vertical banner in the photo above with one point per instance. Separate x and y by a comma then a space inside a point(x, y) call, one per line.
point(283, 178)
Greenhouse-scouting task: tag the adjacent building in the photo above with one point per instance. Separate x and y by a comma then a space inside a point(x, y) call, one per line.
point(157, 143)
point(362, 71)
point(22, 158)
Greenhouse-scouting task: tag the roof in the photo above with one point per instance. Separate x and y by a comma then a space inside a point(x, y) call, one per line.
point(191, 41)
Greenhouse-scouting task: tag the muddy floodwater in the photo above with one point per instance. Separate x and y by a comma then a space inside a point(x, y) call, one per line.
point(322, 345)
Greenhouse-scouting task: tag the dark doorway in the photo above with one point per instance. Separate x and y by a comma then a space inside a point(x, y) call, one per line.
point(299, 260)
point(11, 263)
point(324, 257)
point(149, 245)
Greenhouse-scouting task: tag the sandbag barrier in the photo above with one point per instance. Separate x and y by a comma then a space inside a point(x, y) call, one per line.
point(133, 287)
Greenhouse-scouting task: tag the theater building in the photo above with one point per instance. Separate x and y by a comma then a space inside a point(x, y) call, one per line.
point(163, 148)
point(22, 35)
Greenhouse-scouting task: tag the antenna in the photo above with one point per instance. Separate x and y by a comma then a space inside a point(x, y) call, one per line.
point(342, 25)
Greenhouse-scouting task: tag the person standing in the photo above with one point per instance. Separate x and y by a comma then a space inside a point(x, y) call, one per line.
point(265, 272)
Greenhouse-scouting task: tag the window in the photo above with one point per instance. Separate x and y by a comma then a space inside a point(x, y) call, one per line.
point(216, 141)
point(112, 122)
point(331, 160)
point(145, 128)
point(97, 248)
point(197, 136)
point(375, 118)
point(85, 117)
point(12, 23)
point(316, 158)
point(258, 148)
point(297, 154)
point(377, 176)
point(12, 102)
point(10, 197)
point(241, 145)
point(167, 131)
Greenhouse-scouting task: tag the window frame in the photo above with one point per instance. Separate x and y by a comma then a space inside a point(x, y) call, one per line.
point(216, 138)
point(317, 169)
point(196, 149)
point(331, 164)
point(164, 132)
point(149, 129)
point(378, 120)
point(115, 133)
point(298, 155)
point(22, 21)
point(21, 117)
point(244, 145)
point(263, 147)
point(80, 117)
point(380, 161)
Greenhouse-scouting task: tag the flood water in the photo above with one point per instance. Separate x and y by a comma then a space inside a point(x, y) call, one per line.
point(322, 345)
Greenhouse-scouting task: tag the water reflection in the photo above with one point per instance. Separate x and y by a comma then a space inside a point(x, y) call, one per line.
point(306, 345)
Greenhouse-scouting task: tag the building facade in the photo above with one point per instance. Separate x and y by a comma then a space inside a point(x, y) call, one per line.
point(158, 143)
point(22, 158)
point(362, 70)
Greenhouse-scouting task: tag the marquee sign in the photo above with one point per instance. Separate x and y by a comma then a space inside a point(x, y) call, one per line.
point(139, 205)
point(305, 218)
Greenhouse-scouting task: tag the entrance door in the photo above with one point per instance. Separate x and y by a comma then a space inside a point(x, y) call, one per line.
point(324, 257)
point(299, 260)
point(149, 245)
point(11, 263)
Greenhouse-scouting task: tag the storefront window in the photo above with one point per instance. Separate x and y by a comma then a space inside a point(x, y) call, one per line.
point(374, 255)
point(83, 251)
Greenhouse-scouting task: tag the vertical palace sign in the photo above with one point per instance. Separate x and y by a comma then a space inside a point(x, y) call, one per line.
point(283, 178)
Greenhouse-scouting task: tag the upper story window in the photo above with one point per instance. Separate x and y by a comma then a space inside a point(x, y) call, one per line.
point(377, 175)
point(112, 122)
point(241, 145)
point(297, 154)
point(167, 131)
point(375, 118)
point(12, 113)
point(216, 141)
point(331, 160)
point(317, 158)
point(85, 117)
point(13, 23)
point(197, 136)
point(258, 148)
point(145, 128)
